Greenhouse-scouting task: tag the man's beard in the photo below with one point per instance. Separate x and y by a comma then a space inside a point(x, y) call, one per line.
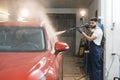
point(93, 27)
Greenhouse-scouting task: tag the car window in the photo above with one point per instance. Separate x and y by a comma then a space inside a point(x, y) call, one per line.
point(22, 39)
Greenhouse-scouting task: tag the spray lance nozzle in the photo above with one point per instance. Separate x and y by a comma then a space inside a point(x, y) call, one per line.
point(86, 25)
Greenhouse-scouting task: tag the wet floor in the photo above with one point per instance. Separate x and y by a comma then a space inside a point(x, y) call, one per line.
point(73, 67)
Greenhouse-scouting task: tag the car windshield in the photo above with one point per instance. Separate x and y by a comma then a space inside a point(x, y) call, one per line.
point(22, 39)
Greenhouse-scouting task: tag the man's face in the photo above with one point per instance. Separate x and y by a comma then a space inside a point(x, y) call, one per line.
point(93, 24)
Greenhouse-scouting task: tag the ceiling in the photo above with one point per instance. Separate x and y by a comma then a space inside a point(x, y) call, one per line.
point(53, 3)
point(65, 3)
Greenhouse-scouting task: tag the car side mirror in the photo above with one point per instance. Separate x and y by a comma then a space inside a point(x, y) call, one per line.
point(60, 46)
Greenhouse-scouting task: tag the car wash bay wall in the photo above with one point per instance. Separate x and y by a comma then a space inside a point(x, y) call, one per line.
point(109, 12)
point(93, 9)
point(76, 38)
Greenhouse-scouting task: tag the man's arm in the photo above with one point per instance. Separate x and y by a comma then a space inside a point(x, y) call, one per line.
point(90, 30)
point(89, 38)
point(86, 36)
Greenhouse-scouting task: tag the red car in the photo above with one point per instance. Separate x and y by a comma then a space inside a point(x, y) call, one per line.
point(26, 52)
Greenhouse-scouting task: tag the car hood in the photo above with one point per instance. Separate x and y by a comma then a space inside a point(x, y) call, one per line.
point(17, 65)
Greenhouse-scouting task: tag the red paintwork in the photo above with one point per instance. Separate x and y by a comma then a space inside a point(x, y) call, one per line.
point(22, 65)
point(61, 46)
point(16, 66)
point(20, 24)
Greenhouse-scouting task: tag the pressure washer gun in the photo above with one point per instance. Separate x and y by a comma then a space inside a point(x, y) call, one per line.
point(74, 28)
point(86, 25)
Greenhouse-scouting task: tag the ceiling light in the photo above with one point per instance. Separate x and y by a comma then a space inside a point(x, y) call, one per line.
point(83, 13)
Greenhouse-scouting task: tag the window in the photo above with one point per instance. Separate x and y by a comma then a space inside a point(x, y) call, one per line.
point(22, 39)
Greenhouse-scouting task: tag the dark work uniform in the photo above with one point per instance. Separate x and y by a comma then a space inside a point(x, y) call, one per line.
point(95, 60)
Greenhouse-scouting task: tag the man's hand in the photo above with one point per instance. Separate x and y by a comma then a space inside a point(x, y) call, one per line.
point(79, 29)
point(87, 26)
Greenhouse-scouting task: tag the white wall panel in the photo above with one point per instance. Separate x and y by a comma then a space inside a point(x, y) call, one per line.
point(110, 14)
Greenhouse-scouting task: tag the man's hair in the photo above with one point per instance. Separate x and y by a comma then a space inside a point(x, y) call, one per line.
point(94, 19)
